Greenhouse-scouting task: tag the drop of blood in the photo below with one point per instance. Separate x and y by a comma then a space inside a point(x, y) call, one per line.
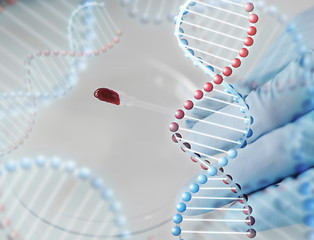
point(107, 95)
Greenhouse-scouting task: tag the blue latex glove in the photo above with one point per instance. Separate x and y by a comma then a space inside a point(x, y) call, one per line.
point(282, 144)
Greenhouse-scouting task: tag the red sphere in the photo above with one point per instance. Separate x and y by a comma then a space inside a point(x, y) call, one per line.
point(236, 63)
point(247, 211)
point(243, 199)
point(253, 18)
point(193, 160)
point(188, 105)
point(251, 31)
point(249, 7)
point(251, 233)
point(175, 137)
point(237, 188)
point(248, 41)
point(250, 221)
point(227, 71)
point(243, 52)
point(187, 145)
point(227, 181)
point(218, 79)
point(203, 167)
point(173, 127)
point(11, 2)
point(208, 87)
point(179, 114)
point(198, 94)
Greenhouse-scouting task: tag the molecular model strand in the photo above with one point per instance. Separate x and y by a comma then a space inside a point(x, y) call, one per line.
point(152, 11)
point(216, 36)
point(41, 201)
point(228, 128)
point(50, 74)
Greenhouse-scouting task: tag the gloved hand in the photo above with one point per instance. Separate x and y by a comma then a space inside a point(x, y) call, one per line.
point(282, 144)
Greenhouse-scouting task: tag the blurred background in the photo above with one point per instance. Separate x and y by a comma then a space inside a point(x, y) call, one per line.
point(129, 147)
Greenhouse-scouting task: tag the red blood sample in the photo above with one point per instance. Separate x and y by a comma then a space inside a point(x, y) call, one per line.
point(107, 95)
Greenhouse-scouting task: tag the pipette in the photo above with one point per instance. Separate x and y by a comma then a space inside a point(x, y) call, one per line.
point(121, 99)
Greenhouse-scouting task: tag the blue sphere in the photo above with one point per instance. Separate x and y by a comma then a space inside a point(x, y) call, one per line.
point(309, 221)
point(232, 153)
point(194, 188)
point(202, 179)
point(191, 51)
point(180, 31)
point(26, 163)
point(186, 197)
point(175, 19)
point(40, 161)
point(97, 183)
point(181, 207)
point(223, 161)
point(84, 173)
point(120, 221)
point(210, 68)
point(55, 162)
point(249, 133)
point(70, 166)
point(176, 231)
point(244, 144)
point(10, 166)
point(184, 42)
point(192, 3)
point(308, 205)
point(212, 171)
point(107, 194)
point(177, 218)
point(304, 189)
point(115, 207)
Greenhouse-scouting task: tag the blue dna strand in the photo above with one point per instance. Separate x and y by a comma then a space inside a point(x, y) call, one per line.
point(152, 11)
point(50, 74)
point(48, 198)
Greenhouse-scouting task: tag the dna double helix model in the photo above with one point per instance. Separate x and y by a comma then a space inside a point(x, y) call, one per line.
point(216, 36)
point(39, 201)
point(152, 11)
point(50, 74)
point(39, 196)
